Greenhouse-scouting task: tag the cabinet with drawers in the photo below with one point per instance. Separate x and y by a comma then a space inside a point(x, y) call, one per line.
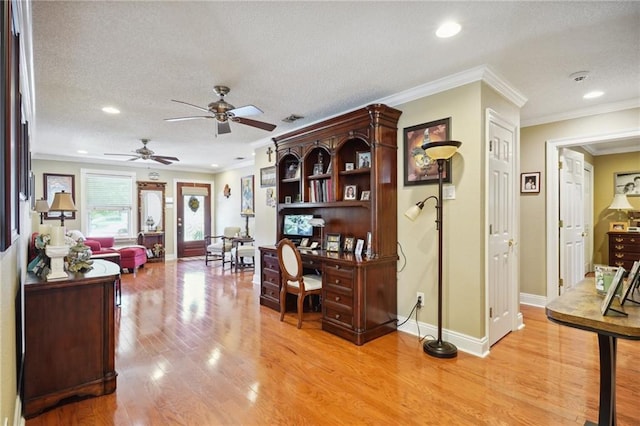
point(624, 249)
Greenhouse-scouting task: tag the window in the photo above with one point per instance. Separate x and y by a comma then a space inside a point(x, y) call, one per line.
point(108, 203)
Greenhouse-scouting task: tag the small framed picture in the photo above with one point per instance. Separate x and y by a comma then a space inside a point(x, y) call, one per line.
point(359, 247)
point(617, 226)
point(364, 195)
point(614, 288)
point(364, 159)
point(348, 166)
point(333, 242)
point(287, 199)
point(317, 169)
point(304, 242)
point(349, 244)
point(530, 182)
point(350, 192)
point(292, 170)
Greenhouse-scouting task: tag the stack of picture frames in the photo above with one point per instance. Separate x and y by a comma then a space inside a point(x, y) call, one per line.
point(616, 289)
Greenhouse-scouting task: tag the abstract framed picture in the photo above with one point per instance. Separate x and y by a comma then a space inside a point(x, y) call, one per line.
point(419, 169)
point(53, 183)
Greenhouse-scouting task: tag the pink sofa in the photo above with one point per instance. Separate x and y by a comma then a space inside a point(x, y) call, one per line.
point(131, 257)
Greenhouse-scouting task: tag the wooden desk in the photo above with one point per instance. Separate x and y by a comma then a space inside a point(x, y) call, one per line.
point(359, 295)
point(69, 337)
point(579, 308)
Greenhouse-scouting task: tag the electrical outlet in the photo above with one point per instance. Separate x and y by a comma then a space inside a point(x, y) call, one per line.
point(420, 299)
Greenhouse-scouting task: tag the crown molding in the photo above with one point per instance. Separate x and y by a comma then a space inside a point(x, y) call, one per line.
point(584, 112)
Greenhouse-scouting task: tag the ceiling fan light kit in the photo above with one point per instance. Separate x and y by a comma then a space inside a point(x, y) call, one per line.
point(223, 112)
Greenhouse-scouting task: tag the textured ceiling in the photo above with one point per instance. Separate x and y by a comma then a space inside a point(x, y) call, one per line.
point(314, 59)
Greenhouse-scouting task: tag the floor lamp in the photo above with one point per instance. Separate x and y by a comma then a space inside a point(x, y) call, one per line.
point(440, 151)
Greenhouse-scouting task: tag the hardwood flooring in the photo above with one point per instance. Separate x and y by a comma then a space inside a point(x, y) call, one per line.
point(194, 347)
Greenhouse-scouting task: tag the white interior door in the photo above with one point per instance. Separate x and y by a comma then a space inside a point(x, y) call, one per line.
point(588, 217)
point(502, 272)
point(572, 231)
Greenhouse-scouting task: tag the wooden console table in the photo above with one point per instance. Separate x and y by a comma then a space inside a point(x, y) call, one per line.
point(69, 337)
point(579, 308)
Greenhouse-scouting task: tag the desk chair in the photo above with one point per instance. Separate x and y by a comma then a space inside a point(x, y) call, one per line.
point(218, 246)
point(293, 280)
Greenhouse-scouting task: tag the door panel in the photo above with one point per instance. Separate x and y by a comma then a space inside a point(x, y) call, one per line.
point(502, 282)
point(193, 217)
point(572, 232)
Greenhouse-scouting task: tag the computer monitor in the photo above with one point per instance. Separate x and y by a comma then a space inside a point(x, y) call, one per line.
point(297, 225)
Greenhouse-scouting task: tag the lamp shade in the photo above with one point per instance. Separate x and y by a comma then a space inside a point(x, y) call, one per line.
point(62, 202)
point(42, 206)
point(620, 202)
point(441, 150)
point(413, 212)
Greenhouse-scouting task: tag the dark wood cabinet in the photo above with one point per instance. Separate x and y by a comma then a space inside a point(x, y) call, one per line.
point(154, 243)
point(315, 166)
point(624, 249)
point(69, 337)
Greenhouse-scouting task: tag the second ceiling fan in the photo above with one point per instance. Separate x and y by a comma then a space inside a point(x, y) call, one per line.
point(224, 112)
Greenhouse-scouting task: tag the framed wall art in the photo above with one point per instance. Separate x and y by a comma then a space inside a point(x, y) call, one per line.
point(246, 200)
point(53, 183)
point(627, 183)
point(530, 182)
point(267, 176)
point(419, 169)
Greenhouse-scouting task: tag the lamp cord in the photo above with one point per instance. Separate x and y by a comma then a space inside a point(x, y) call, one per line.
point(414, 309)
point(404, 257)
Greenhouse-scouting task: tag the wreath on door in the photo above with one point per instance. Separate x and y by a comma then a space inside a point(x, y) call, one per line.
point(194, 204)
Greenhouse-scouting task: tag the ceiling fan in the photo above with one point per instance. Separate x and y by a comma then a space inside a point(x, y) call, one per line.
point(224, 112)
point(145, 153)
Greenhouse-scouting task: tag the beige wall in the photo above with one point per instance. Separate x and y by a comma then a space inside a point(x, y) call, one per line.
point(533, 207)
point(604, 168)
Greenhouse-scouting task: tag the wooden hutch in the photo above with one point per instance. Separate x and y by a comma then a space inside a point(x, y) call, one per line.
point(314, 165)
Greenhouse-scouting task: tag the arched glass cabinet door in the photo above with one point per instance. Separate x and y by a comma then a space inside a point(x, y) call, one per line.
point(151, 218)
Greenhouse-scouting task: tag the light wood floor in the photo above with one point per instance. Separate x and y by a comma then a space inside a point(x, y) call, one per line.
point(194, 347)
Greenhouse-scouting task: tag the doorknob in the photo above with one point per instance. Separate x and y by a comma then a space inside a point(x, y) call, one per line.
point(512, 243)
point(584, 234)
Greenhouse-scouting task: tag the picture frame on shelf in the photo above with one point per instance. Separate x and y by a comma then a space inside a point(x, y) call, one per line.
point(349, 244)
point(287, 199)
point(350, 192)
point(530, 182)
point(419, 169)
point(618, 226)
point(365, 195)
point(292, 170)
point(603, 277)
point(632, 282)
point(348, 166)
point(317, 169)
point(627, 183)
point(304, 242)
point(333, 242)
point(54, 182)
point(614, 288)
point(359, 246)
point(363, 159)
point(267, 176)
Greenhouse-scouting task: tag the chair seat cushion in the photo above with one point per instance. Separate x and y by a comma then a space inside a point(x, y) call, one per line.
point(244, 251)
point(311, 282)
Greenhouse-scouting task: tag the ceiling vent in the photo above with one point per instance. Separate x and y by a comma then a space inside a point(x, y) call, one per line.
point(292, 118)
point(579, 76)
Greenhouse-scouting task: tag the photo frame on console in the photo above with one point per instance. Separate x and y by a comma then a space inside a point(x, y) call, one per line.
point(632, 282)
point(614, 288)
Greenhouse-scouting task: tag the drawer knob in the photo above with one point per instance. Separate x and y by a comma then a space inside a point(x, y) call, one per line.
point(619, 240)
point(619, 247)
point(337, 316)
point(619, 263)
point(337, 298)
point(620, 255)
point(633, 240)
point(337, 281)
point(337, 266)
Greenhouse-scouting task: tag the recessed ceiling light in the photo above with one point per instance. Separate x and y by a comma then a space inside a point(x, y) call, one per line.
point(111, 110)
point(448, 29)
point(82, 151)
point(215, 165)
point(594, 94)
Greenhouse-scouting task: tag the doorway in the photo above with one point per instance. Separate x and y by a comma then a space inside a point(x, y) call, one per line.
point(193, 217)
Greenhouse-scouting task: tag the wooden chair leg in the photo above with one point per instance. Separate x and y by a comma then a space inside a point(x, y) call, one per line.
point(300, 308)
point(283, 302)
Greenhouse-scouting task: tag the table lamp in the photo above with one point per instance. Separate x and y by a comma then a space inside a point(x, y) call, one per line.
point(620, 203)
point(62, 202)
point(42, 206)
point(318, 222)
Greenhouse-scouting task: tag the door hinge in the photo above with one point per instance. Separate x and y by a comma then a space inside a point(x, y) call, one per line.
point(490, 229)
point(560, 282)
point(490, 312)
point(561, 224)
point(490, 145)
point(560, 165)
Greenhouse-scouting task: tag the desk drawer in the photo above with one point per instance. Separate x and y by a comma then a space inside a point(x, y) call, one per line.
point(339, 298)
point(337, 275)
point(337, 313)
point(271, 291)
point(271, 276)
point(270, 260)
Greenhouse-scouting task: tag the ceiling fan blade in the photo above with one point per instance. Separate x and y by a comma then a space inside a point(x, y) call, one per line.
point(127, 155)
point(133, 159)
point(193, 117)
point(164, 157)
point(223, 127)
point(160, 160)
point(244, 111)
point(191, 105)
point(254, 123)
